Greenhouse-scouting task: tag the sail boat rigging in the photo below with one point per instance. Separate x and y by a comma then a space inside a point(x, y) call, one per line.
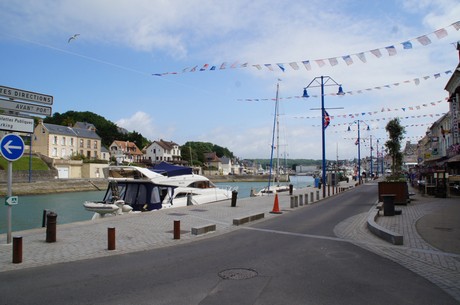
point(272, 189)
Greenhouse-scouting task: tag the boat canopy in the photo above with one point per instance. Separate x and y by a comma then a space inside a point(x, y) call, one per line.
point(171, 170)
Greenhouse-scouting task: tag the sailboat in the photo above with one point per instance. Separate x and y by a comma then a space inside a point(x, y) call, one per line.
point(276, 187)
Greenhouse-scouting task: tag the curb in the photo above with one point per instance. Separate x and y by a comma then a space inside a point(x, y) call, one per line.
point(383, 233)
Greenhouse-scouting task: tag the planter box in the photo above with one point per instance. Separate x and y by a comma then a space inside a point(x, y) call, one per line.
point(399, 189)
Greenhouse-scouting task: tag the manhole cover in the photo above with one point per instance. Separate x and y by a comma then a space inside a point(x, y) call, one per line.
point(238, 274)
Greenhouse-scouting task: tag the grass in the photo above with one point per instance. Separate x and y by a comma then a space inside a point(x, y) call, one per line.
point(23, 164)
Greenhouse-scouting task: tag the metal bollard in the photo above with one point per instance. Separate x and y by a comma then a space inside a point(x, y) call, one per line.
point(306, 198)
point(300, 200)
point(17, 249)
point(388, 204)
point(317, 195)
point(189, 199)
point(292, 202)
point(291, 188)
point(296, 201)
point(312, 199)
point(234, 197)
point(111, 238)
point(176, 229)
point(328, 190)
point(51, 227)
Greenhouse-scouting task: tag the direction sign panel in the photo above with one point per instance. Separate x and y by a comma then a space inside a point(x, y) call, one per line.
point(12, 147)
point(19, 94)
point(11, 200)
point(13, 123)
point(23, 107)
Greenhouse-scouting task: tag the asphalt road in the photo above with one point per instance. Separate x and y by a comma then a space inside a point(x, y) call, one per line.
point(291, 259)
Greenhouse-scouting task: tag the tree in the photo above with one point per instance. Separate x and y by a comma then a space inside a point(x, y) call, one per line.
point(396, 135)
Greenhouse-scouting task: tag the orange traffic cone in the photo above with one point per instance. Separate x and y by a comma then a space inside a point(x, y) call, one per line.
point(276, 208)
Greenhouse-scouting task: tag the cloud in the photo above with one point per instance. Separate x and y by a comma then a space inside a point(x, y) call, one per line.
point(140, 122)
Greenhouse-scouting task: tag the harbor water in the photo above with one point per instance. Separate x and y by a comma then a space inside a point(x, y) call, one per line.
point(28, 213)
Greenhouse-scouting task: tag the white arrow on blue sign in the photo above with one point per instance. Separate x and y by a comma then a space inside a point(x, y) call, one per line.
point(12, 147)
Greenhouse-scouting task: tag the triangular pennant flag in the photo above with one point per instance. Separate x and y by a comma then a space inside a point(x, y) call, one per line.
point(441, 33)
point(234, 65)
point(348, 60)
point(456, 25)
point(258, 67)
point(376, 52)
point(222, 66)
point(294, 65)
point(424, 40)
point(327, 119)
point(204, 67)
point(362, 57)
point(391, 50)
point(320, 62)
point(407, 45)
point(333, 61)
point(269, 66)
point(281, 66)
point(417, 81)
point(213, 68)
point(306, 64)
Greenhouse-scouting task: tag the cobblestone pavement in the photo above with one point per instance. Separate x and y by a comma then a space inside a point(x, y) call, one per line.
point(143, 231)
point(440, 267)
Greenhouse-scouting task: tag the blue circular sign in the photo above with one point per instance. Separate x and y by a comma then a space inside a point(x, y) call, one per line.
point(12, 147)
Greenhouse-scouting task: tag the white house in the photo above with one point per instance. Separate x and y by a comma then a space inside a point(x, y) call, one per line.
point(162, 150)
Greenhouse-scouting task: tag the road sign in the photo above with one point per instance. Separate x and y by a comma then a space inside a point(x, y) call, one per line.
point(19, 94)
point(12, 147)
point(11, 200)
point(24, 107)
point(14, 123)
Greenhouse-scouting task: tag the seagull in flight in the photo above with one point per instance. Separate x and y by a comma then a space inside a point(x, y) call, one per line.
point(73, 37)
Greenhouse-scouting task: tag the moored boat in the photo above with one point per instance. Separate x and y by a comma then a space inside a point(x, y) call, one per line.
point(137, 189)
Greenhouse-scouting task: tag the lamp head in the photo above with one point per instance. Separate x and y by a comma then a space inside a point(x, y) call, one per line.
point(305, 93)
point(340, 91)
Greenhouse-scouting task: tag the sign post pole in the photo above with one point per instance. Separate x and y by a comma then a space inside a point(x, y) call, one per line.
point(9, 194)
point(12, 148)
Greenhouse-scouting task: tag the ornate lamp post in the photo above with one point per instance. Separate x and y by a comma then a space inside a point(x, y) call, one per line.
point(359, 146)
point(322, 81)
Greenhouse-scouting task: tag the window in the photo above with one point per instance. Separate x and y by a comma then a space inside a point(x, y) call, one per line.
point(71, 141)
point(95, 145)
point(88, 143)
point(81, 145)
point(62, 152)
point(63, 140)
point(54, 152)
point(55, 140)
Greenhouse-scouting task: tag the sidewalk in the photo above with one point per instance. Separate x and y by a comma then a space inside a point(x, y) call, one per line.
point(430, 227)
point(431, 230)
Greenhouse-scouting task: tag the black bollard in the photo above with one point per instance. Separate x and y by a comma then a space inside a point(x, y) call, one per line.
point(234, 197)
point(17, 249)
point(291, 188)
point(388, 205)
point(51, 227)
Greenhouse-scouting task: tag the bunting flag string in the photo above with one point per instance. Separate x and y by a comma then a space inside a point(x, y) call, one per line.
point(415, 81)
point(391, 50)
point(389, 119)
point(361, 114)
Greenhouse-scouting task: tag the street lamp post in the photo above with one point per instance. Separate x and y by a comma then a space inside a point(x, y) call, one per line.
point(377, 161)
point(372, 167)
point(359, 146)
point(322, 81)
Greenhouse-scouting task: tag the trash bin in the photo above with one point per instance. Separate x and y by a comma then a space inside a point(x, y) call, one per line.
point(389, 204)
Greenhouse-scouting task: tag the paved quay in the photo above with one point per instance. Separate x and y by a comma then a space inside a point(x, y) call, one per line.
point(430, 227)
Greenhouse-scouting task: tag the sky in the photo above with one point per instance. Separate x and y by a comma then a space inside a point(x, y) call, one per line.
point(138, 64)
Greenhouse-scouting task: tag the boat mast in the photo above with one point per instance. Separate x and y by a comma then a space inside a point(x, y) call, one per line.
point(275, 123)
point(277, 177)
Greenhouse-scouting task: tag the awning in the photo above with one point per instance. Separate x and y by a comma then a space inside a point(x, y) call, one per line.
point(454, 159)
